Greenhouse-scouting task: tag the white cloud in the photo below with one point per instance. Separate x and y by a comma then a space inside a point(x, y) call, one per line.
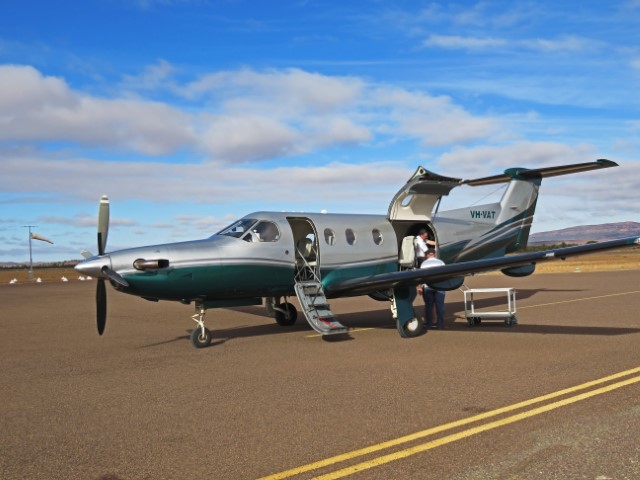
point(84, 180)
point(435, 121)
point(248, 138)
point(568, 43)
point(38, 108)
point(85, 220)
point(153, 77)
point(296, 90)
point(460, 42)
point(247, 116)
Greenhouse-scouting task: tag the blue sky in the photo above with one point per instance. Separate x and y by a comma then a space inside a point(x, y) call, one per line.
point(189, 114)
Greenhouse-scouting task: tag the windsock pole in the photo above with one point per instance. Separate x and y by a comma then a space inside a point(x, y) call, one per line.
point(30, 253)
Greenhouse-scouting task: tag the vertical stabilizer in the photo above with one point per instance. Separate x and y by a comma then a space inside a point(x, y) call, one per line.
point(496, 229)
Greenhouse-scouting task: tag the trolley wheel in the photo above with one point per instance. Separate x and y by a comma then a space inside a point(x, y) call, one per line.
point(199, 340)
point(511, 321)
point(470, 321)
point(477, 320)
point(286, 319)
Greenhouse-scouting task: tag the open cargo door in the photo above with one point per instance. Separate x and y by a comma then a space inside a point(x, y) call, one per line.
point(412, 208)
point(418, 198)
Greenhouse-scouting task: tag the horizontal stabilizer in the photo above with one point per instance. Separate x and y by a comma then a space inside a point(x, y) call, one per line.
point(538, 173)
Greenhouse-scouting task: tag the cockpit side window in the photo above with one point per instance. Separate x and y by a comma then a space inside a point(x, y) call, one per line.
point(237, 229)
point(263, 232)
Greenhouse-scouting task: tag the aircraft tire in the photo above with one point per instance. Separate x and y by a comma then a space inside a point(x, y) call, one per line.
point(412, 328)
point(282, 319)
point(198, 340)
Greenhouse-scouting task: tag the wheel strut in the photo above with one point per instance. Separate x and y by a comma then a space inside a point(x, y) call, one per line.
point(201, 336)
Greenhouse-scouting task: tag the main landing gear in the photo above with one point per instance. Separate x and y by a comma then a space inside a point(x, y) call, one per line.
point(201, 336)
point(285, 313)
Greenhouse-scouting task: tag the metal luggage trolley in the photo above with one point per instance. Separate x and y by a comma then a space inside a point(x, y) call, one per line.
point(475, 318)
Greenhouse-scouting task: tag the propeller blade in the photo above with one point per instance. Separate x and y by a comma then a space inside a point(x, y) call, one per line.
point(115, 276)
point(86, 254)
point(101, 305)
point(103, 224)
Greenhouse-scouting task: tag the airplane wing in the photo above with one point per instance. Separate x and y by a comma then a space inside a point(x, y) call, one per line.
point(440, 275)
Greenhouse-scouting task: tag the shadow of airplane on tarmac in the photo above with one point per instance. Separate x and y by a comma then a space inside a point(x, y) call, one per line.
point(380, 319)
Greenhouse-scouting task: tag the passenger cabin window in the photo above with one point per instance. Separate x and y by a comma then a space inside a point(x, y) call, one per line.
point(329, 236)
point(377, 236)
point(351, 236)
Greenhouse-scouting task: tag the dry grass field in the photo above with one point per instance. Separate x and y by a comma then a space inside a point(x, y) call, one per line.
point(45, 274)
point(625, 259)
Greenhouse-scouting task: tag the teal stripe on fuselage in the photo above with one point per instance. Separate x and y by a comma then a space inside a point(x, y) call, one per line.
point(356, 271)
point(235, 281)
point(213, 282)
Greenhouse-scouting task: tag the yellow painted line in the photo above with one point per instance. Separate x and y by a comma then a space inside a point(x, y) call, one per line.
point(376, 462)
point(441, 428)
point(579, 299)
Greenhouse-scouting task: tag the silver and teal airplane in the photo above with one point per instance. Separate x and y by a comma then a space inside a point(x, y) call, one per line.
point(267, 257)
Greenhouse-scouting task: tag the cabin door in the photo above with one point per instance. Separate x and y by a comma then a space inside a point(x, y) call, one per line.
point(306, 249)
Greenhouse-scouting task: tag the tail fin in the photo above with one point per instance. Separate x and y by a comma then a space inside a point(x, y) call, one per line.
point(499, 228)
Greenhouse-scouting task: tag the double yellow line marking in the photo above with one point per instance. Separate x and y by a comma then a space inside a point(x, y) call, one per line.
point(383, 459)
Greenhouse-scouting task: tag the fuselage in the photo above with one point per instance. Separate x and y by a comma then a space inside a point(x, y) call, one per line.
point(244, 265)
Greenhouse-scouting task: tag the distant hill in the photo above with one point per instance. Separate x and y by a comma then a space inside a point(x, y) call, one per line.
point(587, 233)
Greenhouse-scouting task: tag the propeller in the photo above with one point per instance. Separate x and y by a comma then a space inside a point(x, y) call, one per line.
point(101, 291)
point(100, 266)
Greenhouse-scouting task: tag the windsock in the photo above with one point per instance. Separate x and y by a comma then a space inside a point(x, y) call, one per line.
point(35, 236)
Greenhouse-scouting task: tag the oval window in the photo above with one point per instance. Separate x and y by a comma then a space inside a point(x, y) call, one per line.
point(351, 237)
point(407, 200)
point(377, 236)
point(329, 236)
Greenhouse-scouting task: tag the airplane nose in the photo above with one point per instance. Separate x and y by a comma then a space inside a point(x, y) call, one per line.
point(93, 266)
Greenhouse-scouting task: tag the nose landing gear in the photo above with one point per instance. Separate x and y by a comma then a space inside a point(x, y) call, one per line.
point(201, 336)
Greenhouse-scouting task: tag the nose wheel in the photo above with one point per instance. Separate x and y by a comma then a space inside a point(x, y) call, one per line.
point(201, 336)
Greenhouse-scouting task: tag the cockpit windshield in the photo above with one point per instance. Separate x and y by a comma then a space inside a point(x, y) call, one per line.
point(237, 229)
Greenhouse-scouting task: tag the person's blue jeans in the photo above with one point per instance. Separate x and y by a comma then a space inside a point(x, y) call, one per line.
point(433, 298)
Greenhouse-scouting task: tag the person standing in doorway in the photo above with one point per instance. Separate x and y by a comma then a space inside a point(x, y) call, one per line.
point(422, 243)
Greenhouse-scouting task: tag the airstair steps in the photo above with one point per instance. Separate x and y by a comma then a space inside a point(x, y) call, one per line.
point(316, 309)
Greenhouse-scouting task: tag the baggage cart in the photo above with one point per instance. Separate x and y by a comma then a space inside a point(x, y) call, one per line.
point(475, 317)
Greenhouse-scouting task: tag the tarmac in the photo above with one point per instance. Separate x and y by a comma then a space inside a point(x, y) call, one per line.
point(555, 397)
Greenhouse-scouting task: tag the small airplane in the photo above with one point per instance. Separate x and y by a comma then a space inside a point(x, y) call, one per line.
point(317, 256)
